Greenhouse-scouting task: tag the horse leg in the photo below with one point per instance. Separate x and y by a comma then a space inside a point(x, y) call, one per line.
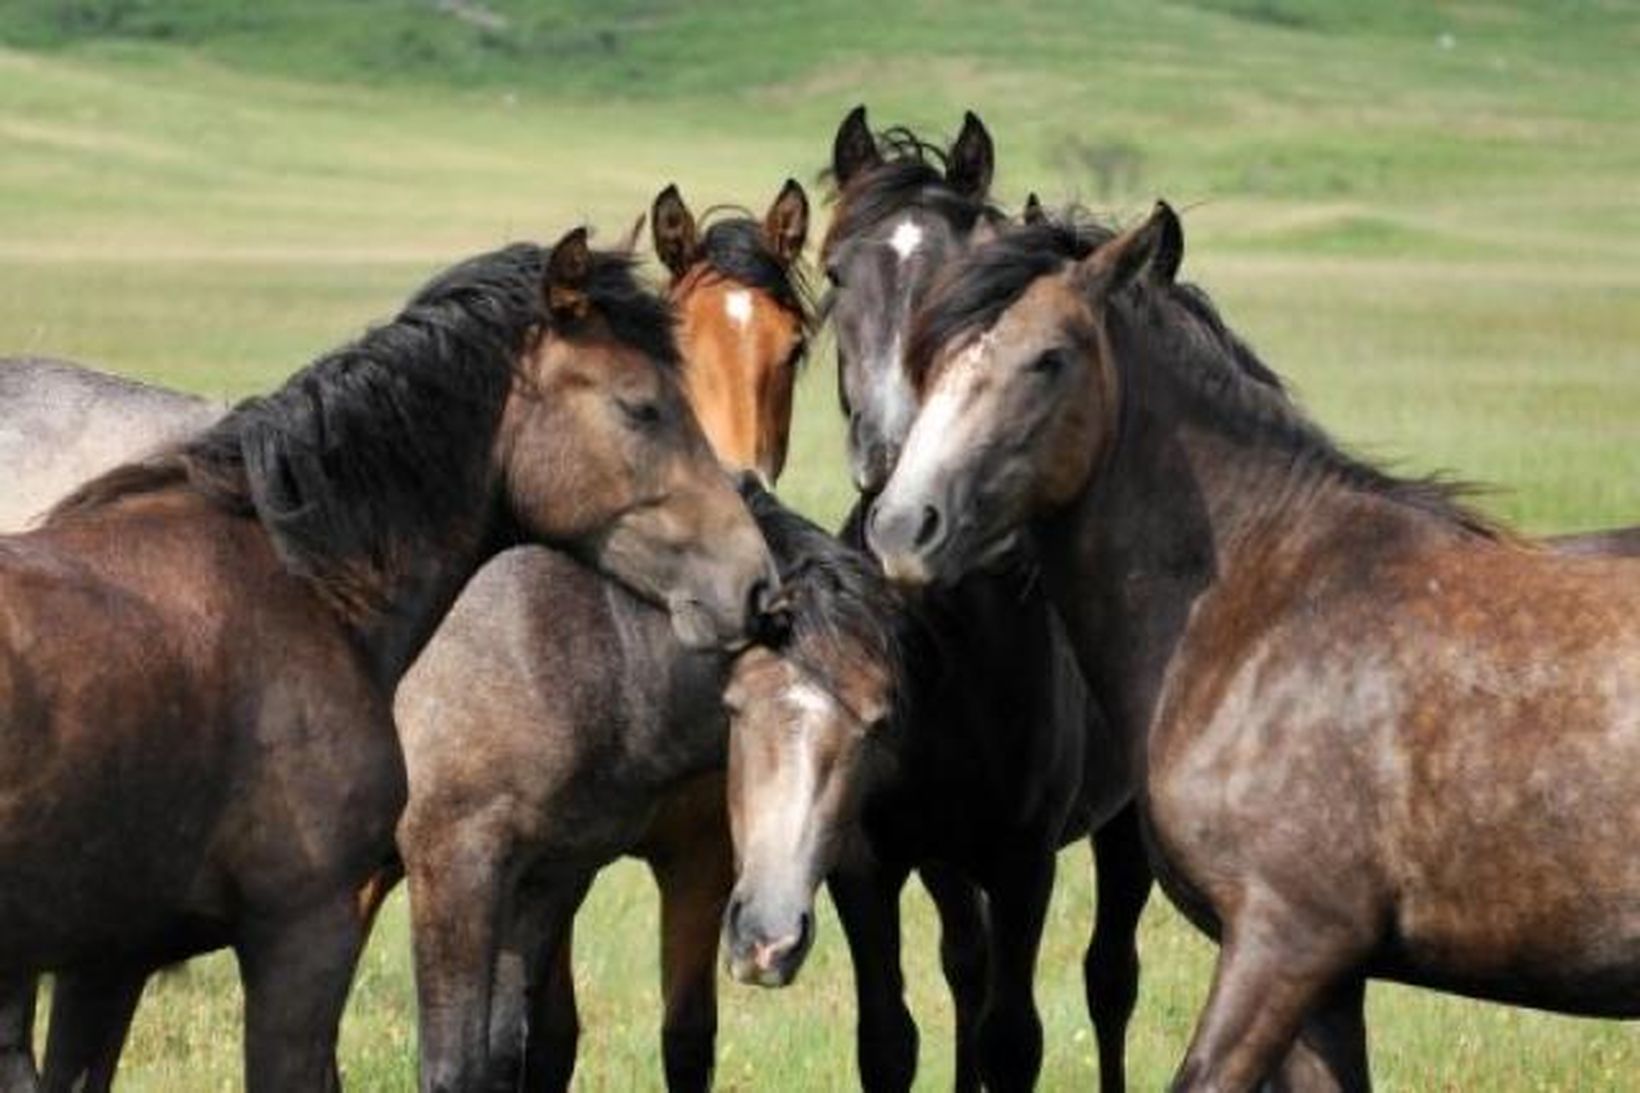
point(1010, 1032)
point(296, 975)
point(1330, 1055)
point(534, 1026)
point(17, 999)
point(1110, 970)
point(965, 959)
point(694, 889)
point(868, 904)
point(455, 919)
point(555, 1021)
point(1276, 967)
point(90, 1015)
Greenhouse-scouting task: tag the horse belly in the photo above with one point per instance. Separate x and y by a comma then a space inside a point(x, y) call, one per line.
point(1512, 849)
point(108, 793)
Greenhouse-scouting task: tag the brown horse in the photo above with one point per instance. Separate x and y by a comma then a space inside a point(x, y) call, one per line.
point(520, 792)
point(743, 320)
point(904, 209)
point(215, 795)
point(1381, 737)
point(598, 734)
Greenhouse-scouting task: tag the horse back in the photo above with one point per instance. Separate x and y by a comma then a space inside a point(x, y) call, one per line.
point(1456, 723)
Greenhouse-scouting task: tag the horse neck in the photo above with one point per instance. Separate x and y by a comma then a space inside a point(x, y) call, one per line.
point(420, 582)
point(1179, 511)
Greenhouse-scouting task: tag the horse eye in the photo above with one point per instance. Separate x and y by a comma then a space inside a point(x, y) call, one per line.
point(1049, 363)
point(642, 415)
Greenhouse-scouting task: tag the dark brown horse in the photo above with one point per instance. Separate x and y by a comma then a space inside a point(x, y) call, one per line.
point(597, 734)
point(1381, 737)
point(218, 795)
point(905, 208)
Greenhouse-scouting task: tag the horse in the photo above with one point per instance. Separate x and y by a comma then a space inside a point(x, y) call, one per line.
point(599, 724)
point(599, 735)
point(904, 209)
point(1382, 736)
point(61, 424)
point(215, 796)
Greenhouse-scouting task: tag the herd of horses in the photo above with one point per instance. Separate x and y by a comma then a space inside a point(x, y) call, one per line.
point(471, 603)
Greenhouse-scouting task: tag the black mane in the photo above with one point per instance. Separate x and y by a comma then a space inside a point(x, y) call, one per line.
point(911, 175)
point(353, 460)
point(972, 292)
point(842, 607)
point(1184, 334)
point(735, 248)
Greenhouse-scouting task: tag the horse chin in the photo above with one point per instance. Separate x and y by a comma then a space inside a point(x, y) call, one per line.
point(695, 628)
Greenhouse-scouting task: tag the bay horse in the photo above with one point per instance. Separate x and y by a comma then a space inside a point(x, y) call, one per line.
point(1381, 735)
point(217, 796)
point(612, 733)
point(904, 209)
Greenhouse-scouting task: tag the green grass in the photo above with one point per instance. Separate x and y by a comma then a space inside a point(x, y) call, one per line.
point(1422, 214)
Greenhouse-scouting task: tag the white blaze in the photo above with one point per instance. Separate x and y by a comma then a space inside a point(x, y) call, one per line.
point(906, 239)
point(738, 306)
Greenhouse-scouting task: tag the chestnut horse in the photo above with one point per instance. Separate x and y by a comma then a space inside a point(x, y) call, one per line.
point(1381, 736)
point(216, 796)
point(599, 735)
point(904, 209)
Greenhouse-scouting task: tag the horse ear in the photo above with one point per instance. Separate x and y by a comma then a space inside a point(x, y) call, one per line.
point(972, 159)
point(1164, 267)
point(1114, 266)
point(1033, 213)
point(854, 148)
point(676, 240)
point(786, 227)
point(565, 284)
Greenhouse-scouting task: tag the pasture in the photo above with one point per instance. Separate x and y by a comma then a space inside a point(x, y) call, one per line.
point(1424, 217)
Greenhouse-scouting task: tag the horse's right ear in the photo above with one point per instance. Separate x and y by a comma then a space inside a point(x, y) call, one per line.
point(854, 149)
point(1033, 213)
point(565, 283)
point(972, 159)
point(676, 240)
point(1112, 267)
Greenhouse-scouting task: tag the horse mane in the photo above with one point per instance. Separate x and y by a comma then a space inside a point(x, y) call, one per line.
point(842, 607)
point(734, 248)
point(1218, 371)
point(910, 175)
point(358, 454)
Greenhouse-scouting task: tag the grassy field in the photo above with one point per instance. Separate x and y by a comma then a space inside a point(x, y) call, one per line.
point(1424, 215)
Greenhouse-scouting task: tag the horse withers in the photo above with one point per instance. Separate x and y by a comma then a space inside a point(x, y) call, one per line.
point(215, 795)
point(1381, 736)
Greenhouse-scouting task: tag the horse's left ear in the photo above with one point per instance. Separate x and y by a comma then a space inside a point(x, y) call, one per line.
point(1157, 241)
point(1164, 267)
point(1033, 212)
point(676, 239)
point(786, 227)
point(972, 159)
point(565, 283)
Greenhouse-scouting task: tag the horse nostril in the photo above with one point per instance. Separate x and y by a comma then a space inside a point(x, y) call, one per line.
point(732, 915)
point(929, 529)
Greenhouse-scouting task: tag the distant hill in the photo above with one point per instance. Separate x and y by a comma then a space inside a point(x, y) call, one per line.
point(647, 48)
